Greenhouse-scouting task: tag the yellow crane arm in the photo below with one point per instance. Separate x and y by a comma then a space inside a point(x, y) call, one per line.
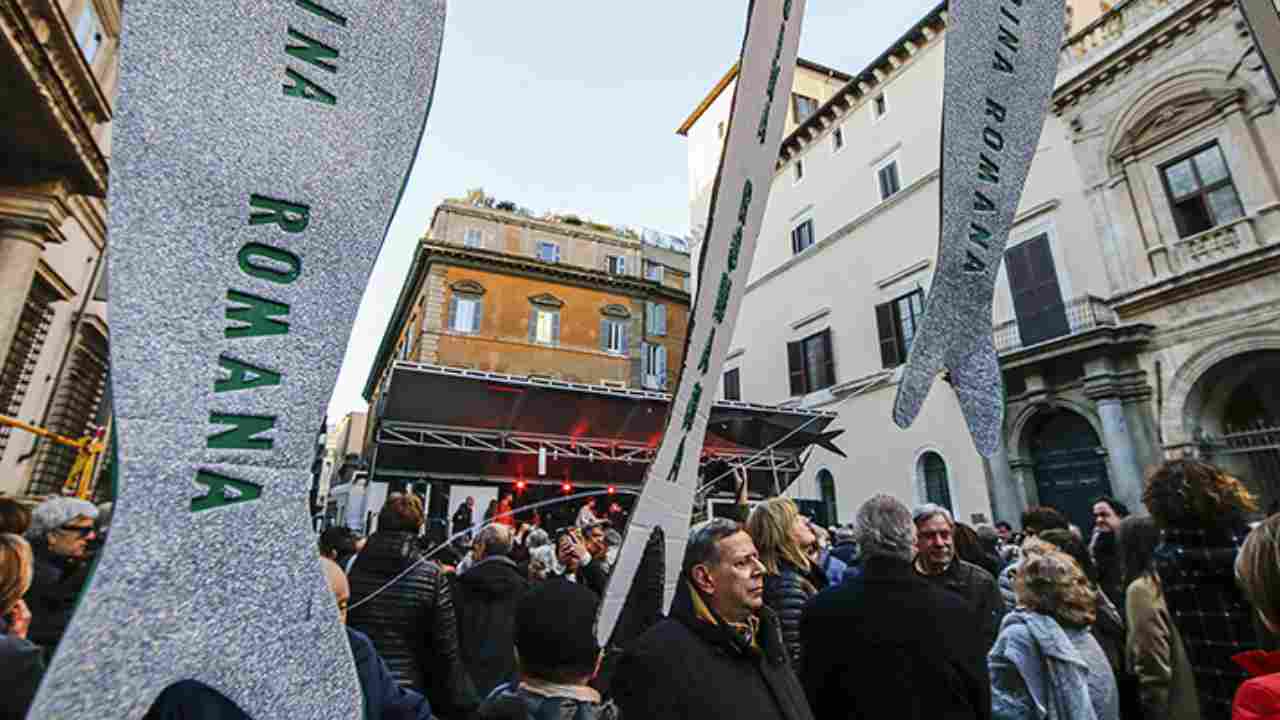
point(80, 479)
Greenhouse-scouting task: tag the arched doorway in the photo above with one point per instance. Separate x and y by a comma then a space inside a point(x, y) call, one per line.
point(1234, 409)
point(1070, 464)
point(827, 487)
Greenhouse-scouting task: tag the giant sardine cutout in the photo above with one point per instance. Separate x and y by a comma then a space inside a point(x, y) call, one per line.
point(739, 196)
point(259, 152)
point(1002, 58)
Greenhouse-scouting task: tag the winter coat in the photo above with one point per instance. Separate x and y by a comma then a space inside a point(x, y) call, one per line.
point(1006, 585)
point(786, 594)
point(55, 586)
point(846, 551)
point(691, 666)
point(383, 698)
point(833, 568)
point(1259, 698)
point(544, 701)
point(978, 588)
point(23, 664)
point(411, 621)
point(462, 518)
point(1197, 574)
point(487, 597)
point(1154, 653)
point(1042, 671)
point(886, 643)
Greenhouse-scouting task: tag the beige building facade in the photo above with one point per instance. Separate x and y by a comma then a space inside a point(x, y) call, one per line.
point(1132, 278)
point(58, 68)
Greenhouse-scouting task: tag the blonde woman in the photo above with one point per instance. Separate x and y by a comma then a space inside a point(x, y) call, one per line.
point(783, 538)
point(1046, 665)
point(21, 659)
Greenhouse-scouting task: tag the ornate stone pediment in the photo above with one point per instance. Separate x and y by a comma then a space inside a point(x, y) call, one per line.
point(547, 300)
point(470, 287)
point(617, 311)
point(1172, 118)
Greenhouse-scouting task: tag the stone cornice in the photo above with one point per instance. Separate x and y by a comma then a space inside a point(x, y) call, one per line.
point(41, 38)
point(553, 228)
point(1122, 386)
point(1198, 281)
point(926, 33)
point(1108, 338)
point(1135, 45)
point(41, 209)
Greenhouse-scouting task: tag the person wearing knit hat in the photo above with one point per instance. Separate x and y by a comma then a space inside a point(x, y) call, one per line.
point(558, 655)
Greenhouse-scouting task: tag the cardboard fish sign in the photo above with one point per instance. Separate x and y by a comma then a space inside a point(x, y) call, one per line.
point(1002, 58)
point(259, 150)
point(759, 107)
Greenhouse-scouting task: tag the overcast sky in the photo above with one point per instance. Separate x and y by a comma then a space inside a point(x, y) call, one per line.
point(565, 105)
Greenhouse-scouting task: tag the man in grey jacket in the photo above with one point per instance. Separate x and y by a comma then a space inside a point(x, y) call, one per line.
point(937, 563)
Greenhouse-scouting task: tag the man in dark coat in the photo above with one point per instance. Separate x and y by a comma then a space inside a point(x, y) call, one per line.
point(61, 531)
point(719, 654)
point(888, 643)
point(464, 518)
point(936, 562)
point(405, 605)
point(1108, 513)
point(488, 595)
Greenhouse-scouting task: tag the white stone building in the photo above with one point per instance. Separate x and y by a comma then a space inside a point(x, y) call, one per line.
point(1136, 313)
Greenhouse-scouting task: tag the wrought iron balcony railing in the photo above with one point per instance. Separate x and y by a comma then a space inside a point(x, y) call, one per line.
point(1069, 318)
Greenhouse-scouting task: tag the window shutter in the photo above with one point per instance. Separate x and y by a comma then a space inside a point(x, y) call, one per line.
point(453, 311)
point(890, 355)
point(829, 363)
point(533, 325)
point(795, 367)
point(604, 334)
point(660, 311)
point(555, 328)
point(477, 311)
point(645, 370)
point(662, 366)
point(623, 327)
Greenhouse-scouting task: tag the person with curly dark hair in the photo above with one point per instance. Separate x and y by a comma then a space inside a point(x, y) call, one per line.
point(1202, 512)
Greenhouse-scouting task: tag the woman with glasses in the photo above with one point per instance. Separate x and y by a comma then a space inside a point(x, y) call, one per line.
point(21, 659)
point(60, 533)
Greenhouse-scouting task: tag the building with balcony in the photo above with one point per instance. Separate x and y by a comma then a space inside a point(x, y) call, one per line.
point(58, 68)
point(1136, 310)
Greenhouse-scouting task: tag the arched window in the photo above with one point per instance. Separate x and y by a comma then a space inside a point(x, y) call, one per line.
point(827, 487)
point(933, 470)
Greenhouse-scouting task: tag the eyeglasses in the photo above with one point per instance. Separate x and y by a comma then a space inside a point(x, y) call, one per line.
point(82, 531)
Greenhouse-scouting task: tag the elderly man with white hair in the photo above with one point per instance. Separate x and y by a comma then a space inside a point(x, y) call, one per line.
point(60, 533)
point(937, 562)
point(888, 643)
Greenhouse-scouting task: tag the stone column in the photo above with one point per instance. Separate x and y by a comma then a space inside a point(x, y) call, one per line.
point(1024, 481)
point(29, 217)
point(20, 250)
point(1126, 471)
point(1008, 496)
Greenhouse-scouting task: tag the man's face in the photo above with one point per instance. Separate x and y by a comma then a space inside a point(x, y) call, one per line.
point(934, 543)
point(1105, 518)
point(736, 582)
point(595, 542)
point(1003, 533)
point(471, 502)
point(72, 540)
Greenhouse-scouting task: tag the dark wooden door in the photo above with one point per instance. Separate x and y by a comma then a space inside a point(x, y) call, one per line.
point(1070, 466)
point(1037, 297)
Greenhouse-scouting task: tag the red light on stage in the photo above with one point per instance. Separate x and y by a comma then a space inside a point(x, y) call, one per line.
point(521, 485)
point(566, 486)
point(612, 489)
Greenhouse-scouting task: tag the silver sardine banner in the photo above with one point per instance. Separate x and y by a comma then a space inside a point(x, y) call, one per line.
point(739, 196)
point(259, 152)
point(1002, 58)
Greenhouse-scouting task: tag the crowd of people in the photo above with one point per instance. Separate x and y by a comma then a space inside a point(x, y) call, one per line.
point(1168, 612)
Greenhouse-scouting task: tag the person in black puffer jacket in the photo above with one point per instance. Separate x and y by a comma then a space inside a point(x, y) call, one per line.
point(488, 595)
point(404, 604)
point(782, 536)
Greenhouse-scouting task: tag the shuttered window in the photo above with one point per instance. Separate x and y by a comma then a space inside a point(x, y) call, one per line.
point(544, 326)
point(1037, 296)
point(613, 336)
point(897, 323)
point(936, 488)
point(811, 363)
point(733, 385)
point(75, 412)
point(465, 312)
point(653, 361)
point(888, 177)
point(24, 352)
point(802, 236)
point(655, 319)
